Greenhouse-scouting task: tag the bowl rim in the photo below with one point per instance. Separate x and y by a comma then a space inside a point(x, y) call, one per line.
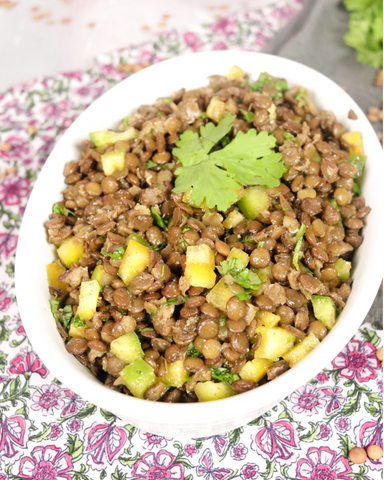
point(174, 414)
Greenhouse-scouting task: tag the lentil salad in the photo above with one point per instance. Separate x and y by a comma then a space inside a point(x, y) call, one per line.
point(207, 299)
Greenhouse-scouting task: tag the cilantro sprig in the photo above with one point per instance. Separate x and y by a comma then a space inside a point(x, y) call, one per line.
point(222, 374)
point(241, 275)
point(215, 175)
point(60, 210)
point(116, 255)
point(192, 351)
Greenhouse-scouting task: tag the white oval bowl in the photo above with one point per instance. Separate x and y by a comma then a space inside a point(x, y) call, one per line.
point(34, 252)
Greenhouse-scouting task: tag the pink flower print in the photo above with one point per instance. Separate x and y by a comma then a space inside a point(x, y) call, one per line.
point(343, 424)
point(321, 463)
point(56, 431)
point(357, 359)
point(336, 399)
point(275, 441)
point(20, 149)
point(78, 75)
point(205, 468)
point(75, 425)
point(325, 433)
point(56, 110)
point(261, 39)
point(307, 399)
point(107, 69)
point(28, 363)
point(46, 463)
point(220, 46)
point(224, 26)
point(74, 404)
point(50, 399)
point(249, 471)
point(380, 385)
point(13, 189)
point(322, 377)
point(159, 467)
point(239, 451)
point(219, 442)
point(4, 300)
point(153, 441)
point(283, 13)
point(8, 243)
point(20, 329)
point(193, 41)
point(103, 440)
point(12, 436)
point(370, 433)
point(83, 91)
point(66, 123)
point(190, 450)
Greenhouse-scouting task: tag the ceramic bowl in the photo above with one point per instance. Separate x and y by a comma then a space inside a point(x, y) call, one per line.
point(34, 252)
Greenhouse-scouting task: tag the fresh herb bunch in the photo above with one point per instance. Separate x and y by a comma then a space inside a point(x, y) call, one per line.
point(241, 275)
point(215, 175)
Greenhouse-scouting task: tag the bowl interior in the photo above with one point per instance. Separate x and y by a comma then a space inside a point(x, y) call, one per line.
point(34, 252)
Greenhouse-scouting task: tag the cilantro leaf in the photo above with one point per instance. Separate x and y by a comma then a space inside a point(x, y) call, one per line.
point(54, 304)
point(158, 219)
point(248, 116)
point(247, 160)
point(277, 89)
point(117, 254)
point(77, 322)
point(222, 374)
point(240, 274)
point(67, 316)
point(289, 137)
point(60, 210)
point(301, 97)
point(192, 351)
point(263, 79)
point(299, 237)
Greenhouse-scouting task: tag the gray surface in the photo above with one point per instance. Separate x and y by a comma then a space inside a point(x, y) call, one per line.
point(314, 37)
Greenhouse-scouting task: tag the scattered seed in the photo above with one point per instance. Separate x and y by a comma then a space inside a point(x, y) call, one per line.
point(352, 115)
point(379, 354)
point(162, 24)
point(34, 9)
point(145, 27)
point(224, 7)
point(357, 455)
point(166, 16)
point(375, 452)
point(218, 16)
point(50, 22)
point(91, 24)
point(65, 20)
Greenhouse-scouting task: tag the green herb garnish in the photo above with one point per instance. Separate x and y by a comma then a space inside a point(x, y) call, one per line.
point(335, 205)
point(301, 97)
point(192, 351)
point(289, 137)
point(67, 316)
point(159, 113)
point(213, 177)
point(280, 86)
point(157, 217)
point(240, 274)
point(54, 303)
point(116, 255)
point(223, 321)
point(204, 115)
point(248, 116)
point(246, 295)
point(299, 237)
point(162, 271)
point(77, 322)
point(60, 210)
point(261, 244)
point(151, 164)
point(246, 239)
point(222, 374)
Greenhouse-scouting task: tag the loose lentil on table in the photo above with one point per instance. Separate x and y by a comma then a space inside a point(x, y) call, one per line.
point(103, 210)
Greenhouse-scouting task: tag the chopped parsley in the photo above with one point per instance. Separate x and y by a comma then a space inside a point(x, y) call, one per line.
point(246, 295)
point(77, 322)
point(116, 255)
point(261, 244)
point(158, 247)
point(192, 351)
point(162, 271)
point(151, 164)
point(279, 86)
point(299, 237)
point(186, 228)
point(246, 239)
point(301, 97)
point(241, 275)
point(222, 374)
point(67, 317)
point(60, 210)
point(223, 321)
point(54, 303)
point(248, 116)
point(158, 219)
point(215, 175)
point(159, 113)
point(204, 115)
point(289, 137)
point(177, 301)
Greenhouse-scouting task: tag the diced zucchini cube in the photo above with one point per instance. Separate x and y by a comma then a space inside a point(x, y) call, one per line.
point(219, 295)
point(255, 201)
point(89, 294)
point(138, 239)
point(275, 342)
point(176, 375)
point(255, 369)
point(237, 253)
point(265, 272)
point(301, 350)
point(233, 219)
point(70, 251)
point(235, 72)
point(102, 276)
point(135, 260)
point(138, 377)
point(127, 347)
point(343, 269)
point(105, 137)
point(208, 391)
point(54, 270)
point(324, 310)
point(200, 266)
point(113, 161)
point(76, 331)
point(268, 319)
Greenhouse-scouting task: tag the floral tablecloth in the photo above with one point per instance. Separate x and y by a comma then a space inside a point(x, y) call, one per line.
point(47, 432)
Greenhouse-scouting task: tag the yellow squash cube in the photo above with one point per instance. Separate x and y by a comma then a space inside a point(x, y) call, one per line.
point(255, 369)
point(113, 161)
point(70, 251)
point(135, 260)
point(102, 276)
point(237, 253)
point(219, 295)
point(54, 270)
point(268, 319)
point(301, 350)
point(216, 109)
point(76, 331)
point(200, 266)
point(355, 142)
point(236, 72)
point(176, 375)
point(208, 391)
point(275, 342)
point(89, 293)
point(233, 219)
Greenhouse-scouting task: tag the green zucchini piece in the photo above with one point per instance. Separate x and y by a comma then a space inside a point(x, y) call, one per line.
point(324, 310)
point(105, 137)
point(343, 269)
point(138, 239)
point(138, 377)
point(102, 276)
point(113, 161)
point(359, 162)
point(208, 391)
point(127, 347)
point(275, 342)
point(176, 375)
point(254, 201)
